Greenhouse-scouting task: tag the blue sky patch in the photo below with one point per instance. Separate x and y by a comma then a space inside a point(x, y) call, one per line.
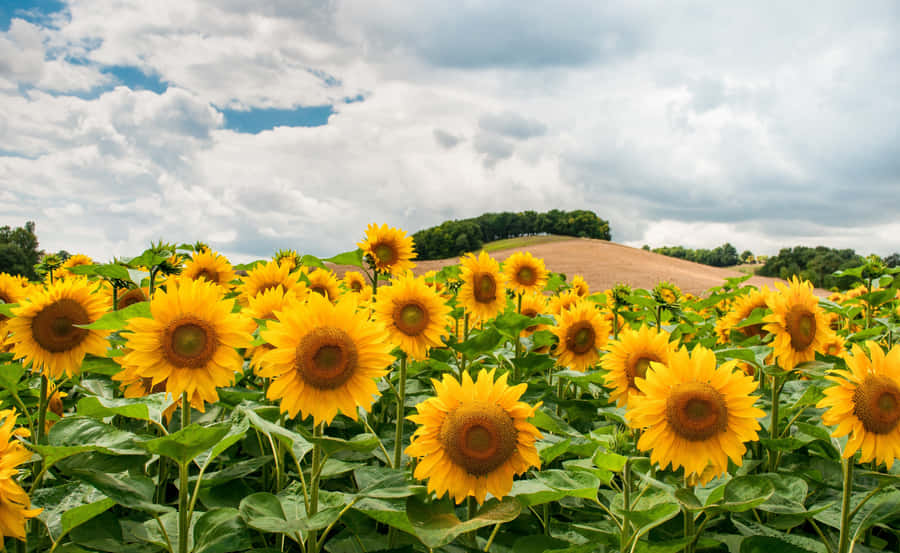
point(258, 120)
point(33, 11)
point(135, 79)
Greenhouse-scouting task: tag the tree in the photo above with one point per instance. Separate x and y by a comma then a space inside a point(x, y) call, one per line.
point(892, 260)
point(19, 250)
point(746, 256)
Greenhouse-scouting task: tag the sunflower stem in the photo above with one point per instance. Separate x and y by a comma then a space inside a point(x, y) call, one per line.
point(846, 514)
point(518, 346)
point(773, 426)
point(470, 514)
point(688, 523)
point(374, 283)
point(401, 401)
point(183, 514)
point(42, 409)
point(615, 322)
point(625, 535)
point(546, 519)
point(490, 541)
point(115, 304)
point(152, 281)
point(312, 545)
point(462, 362)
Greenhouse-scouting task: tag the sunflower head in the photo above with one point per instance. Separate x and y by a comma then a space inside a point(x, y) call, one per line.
point(483, 290)
point(414, 315)
point(534, 305)
point(11, 291)
point(581, 330)
point(667, 293)
point(130, 296)
point(694, 414)
point(354, 281)
point(266, 276)
point(209, 266)
point(73, 261)
point(287, 257)
point(740, 310)
point(387, 249)
point(14, 502)
point(865, 403)
point(629, 357)
point(324, 283)
point(562, 302)
point(580, 286)
point(473, 437)
point(525, 273)
point(798, 324)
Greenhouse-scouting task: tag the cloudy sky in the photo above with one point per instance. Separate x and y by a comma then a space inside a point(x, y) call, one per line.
point(295, 123)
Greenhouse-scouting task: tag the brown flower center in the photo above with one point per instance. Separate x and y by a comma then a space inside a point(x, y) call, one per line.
point(321, 290)
point(526, 276)
point(189, 342)
point(484, 287)
point(53, 328)
point(327, 357)
point(209, 275)
point(385, 253)
point(131, 297)
point(801, 326)
point(696, 411)
point(637, 367)
point(479, 437)
point(411, 318)
point(530, 312)
point(876, 403)
point(356, 286)
point(581, 337)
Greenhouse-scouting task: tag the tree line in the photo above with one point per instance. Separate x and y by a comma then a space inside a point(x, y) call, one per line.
point(815, 264)
point(453, 238)
point(724, 256)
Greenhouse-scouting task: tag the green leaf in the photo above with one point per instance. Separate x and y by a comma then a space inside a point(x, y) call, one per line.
point(298, 445)
point(746, 492)
point(480, 342)
point(551, 422)
point(10, 375)
point(237, 429)
point(91, 434)
point(134, 492)
point(361, 443)
point(550, 451)
point(117, 320)
point(100, 365)
point(147, 408)
point(312, 261)
point(6, 309)
point(610, 461)
point(220, 531)
point(187, 443)
point(107, 271)
point(511, 324)
point(754, 529)
point(769, 544)
point(386, 511)
point(354, 258)
point(384, 483)
point(67, 506)
point(436, 523)
point(553, 485)
point(263, 511)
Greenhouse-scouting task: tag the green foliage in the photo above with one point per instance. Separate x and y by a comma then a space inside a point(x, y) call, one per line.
point(453, 238)
point(813, 264)
point(723, 256)
point(19, 250)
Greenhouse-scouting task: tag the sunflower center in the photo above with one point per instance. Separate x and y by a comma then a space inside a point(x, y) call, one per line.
point(876, 402)
point(189, 343)
point(479, 437)
point(526, 276)
point(530, 312)
point(637, 368)
point(485, 287)
point(321, 290)
point(753, 330)
point(581, 337)
point(801, 326)
point(411, 318)
point(385, 253)
point(53, 328)
point(696, 411)
point(326, 358)
point(210, 276)
point(265, 288)
point(131, 297)
point(356, 286)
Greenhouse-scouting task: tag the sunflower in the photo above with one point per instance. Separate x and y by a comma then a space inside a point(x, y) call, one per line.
point(525, 273)
point(210, 266)
point(866, 404)
point(630, 356)
point(474, 437)
point(389, 250)
point(414, 315)
point(324, 283)
point(581, 331)
point(326, 358)
point(44, 332)
point(287, 257)
point(133, 385)
point(534, 305)
point(667, 293)
point(799, 326)
point(354, 281)
point(563, 302)
point(190, 341)
point(73, 261)
point(266, 276)
point(580, 286)
point(14, 502)
point(131, 296)
point(740, 310)
point(695, 415)
point(483, 292)
point(11, 291)
point(265, 306)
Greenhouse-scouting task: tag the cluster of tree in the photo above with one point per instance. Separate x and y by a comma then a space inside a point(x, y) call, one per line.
point(19, 250)
point(723, 256)
point(813, 264)
point(892, 260)
point(453, 238)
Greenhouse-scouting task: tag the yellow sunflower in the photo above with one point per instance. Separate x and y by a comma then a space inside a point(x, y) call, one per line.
point(563, 302)
point(666, 292)
point(43, 330)
point(799, 326)
point(73, 261)
point(326, 358)
point(740, 310)
point(287, 257)
point(580, 286)
point(131, 296)
point(389, 249)
point(695, 415)
point(525, 273)
point(534, 305)
point(866, 404)
point(325, 283)
point(14, 502)
point(630, 356)
point(210, 266)
point(133, 385)
point(354, 281)
point(581, 330)
point(265, 306)
point(474, 437)
point(266, 276)
point(483, 290)
point(190, 343)
point(11, 291)
point(414, 315)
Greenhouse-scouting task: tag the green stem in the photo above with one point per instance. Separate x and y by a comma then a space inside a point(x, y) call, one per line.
point(846, 515)
point(115, 305)
point(401, 411)
point(493, 534)
point(183, 495)
point(615, 322)
point(518, 345)
point(42, 409)
point(312, 543)
point(374, 282)
point(152, 281)
point(773, 426)
point(462, 363)
point(470, 514)
point(625, 536)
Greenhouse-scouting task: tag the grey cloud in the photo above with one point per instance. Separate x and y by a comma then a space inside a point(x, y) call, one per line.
point(445, 139)
point(512, 125)
point(494, 148)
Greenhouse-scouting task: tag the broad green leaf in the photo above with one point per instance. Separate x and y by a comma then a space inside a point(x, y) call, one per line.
point(803, 544)
point(144, 408)
point(511, 324)
point(233, 471)
point(769, 544)
point(237, 429)
point(263, 511)
point(484, 341)
point(354, 258)
point(91, 434)
point(108, 271)
point(386, 511)
point(550, 451)
point(67, 506)
point(610, 461)
point(553, 485)
point(6, 309)
point(134, 492)
point(117, 320)
point(746, 492)
point(187, 443)
point(100, 365)
point(312, 261)
point(436, 523)
point(10, 375)
point(362, 443)
point(299, 445)
point(220, 531)
point(388, 483)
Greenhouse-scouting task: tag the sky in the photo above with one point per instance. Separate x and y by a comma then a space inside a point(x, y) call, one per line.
point(259, 125)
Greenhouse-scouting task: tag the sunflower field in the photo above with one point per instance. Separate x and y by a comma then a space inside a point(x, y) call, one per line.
point(172, 402)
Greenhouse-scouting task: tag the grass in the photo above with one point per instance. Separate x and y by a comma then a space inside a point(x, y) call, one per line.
point(522, 241)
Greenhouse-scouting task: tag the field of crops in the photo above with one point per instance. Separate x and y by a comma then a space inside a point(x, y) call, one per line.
point(174, 402)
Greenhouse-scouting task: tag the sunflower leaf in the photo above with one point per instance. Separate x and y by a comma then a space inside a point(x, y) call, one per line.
point(436, 523)
point(189, 442)
point(6, 309)
point(354, 258)
point(117, 320)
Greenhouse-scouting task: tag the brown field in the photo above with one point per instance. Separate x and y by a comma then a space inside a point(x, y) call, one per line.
point(603, 264)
